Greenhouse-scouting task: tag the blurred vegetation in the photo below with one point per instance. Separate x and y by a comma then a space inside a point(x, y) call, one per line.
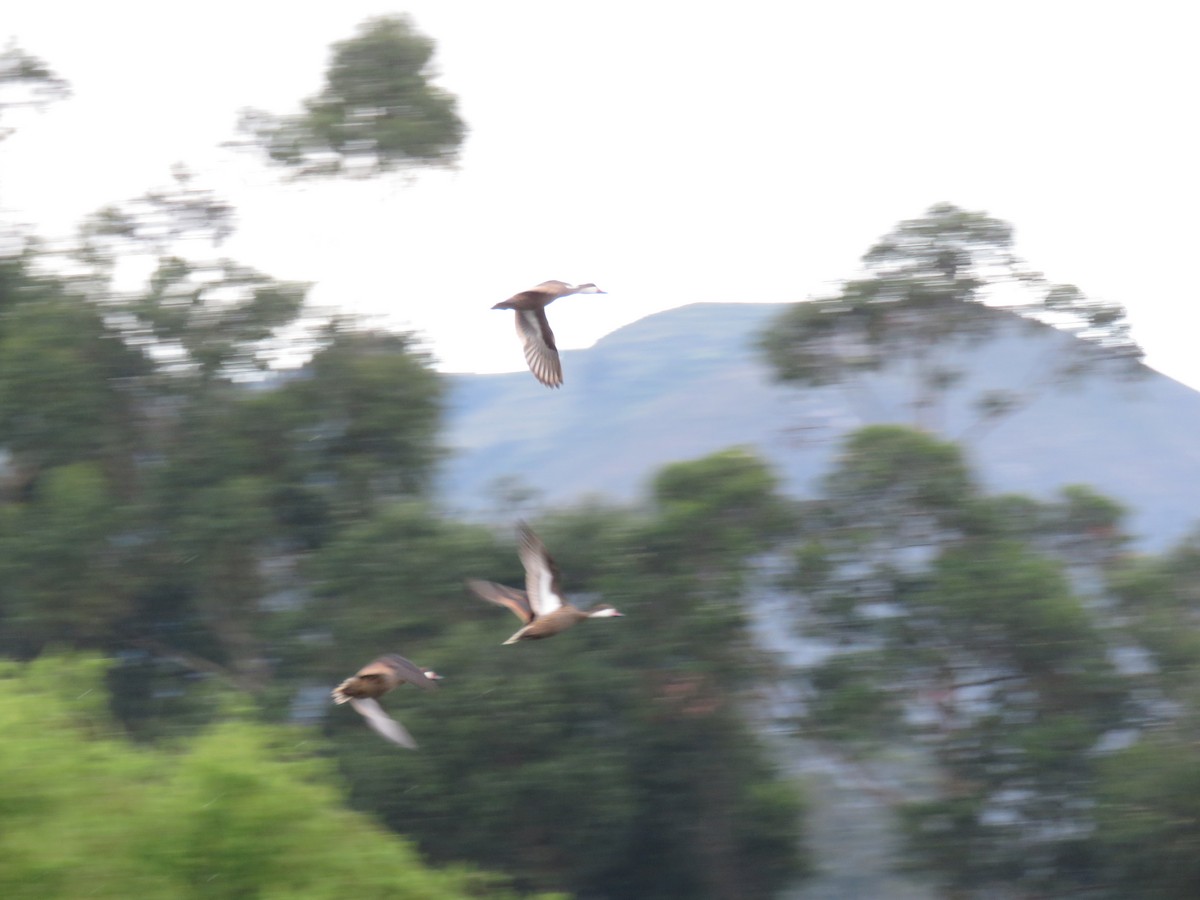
point(26, 82)
point(378, 110)
point(194, 549)
point(935, 284)
point(219, 530)
point(1048, 675)
point(243, 810)
point(211, 531)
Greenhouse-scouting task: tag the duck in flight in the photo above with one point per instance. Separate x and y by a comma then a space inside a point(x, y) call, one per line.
point(541, 606)
point(362, 690)
point(540, 350)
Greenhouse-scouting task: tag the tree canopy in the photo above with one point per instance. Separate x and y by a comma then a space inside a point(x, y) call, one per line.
point(244, 810)
point(941, 282)
point(379, 110)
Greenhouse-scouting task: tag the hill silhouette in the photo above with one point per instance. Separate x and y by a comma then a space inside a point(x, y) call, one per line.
point(689, 381)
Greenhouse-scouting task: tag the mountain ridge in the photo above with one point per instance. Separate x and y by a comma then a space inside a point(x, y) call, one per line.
point(689, 381)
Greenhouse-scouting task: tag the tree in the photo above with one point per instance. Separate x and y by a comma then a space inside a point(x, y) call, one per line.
point(199, 317)
point(1148, 801)
point(940, 283)
point(1149, 815)
point(241, 812)
point(64, 575)
point(635, 736)
point(145, 441)
point(374, 407)
point(954, 628)
point(378, 110)
point(26, 81)
point(65, 379)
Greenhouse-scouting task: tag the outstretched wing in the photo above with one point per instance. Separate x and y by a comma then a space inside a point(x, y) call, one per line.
point(401, 670)
point(383, 723)
point(541, 353)
point(541, 574)
point(514, 599)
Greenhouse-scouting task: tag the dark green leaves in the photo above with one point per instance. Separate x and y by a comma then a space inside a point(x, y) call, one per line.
point(378, 110)
point(935, 286)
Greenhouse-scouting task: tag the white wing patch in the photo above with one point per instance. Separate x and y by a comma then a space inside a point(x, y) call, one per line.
point(539, 574)
point(382, 722)
point(547, 601)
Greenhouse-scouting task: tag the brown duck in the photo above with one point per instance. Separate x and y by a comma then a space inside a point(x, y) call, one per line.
point(541, 605)
point(540, 350)
point(362, 690)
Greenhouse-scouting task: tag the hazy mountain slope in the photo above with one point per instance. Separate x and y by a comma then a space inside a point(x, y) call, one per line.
point(689, 381)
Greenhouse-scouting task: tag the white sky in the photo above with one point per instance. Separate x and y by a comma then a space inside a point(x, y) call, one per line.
point(670, 152)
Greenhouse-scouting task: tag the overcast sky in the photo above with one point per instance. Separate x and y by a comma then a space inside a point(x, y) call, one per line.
point(670, 152)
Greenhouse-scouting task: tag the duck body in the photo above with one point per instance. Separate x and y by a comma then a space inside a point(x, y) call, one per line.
point(541, 353)
point(541, 606)
point(363, 689)
point(551, 624)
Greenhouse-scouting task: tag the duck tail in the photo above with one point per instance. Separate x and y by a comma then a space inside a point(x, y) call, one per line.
point(518, 636)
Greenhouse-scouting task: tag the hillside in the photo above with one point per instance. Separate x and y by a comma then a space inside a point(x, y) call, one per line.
point(689, 381)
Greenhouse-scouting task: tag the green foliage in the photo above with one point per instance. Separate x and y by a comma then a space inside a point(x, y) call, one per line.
point(958, 630)
point(1149, 817)
point(630, 734)
point(62, 382)
point(849, 701)
point(373, 407)
point(199, 493)
point(392, 580)
point(243, 812)
point(525, 742)
point(156, 222)
point(925, 293)
point(377, 112)
point(215, 315)
point(1161, 599)
point(900, 467)
point(62, 572)
point(1000, 594)
point(720, 506)
point(26, 81)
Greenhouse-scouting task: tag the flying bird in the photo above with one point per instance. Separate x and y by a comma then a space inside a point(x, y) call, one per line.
point(541, 606)
point(541, 353)
point(362, 690)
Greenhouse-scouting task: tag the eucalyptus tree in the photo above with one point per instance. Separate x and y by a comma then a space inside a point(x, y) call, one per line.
point(27, 82)
point(379, 110)
point(151, 414)
point(613, 763)
point(952, 625)
point(932, 286)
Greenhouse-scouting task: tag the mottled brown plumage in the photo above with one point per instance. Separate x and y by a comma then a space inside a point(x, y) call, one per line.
point(541, 353)
point(541, 606)
point(363, 689)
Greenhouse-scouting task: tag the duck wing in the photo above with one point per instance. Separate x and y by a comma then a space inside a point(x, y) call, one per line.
point(541, 353)
point(399, 669)
point(383, 723)
point(541, 574)
point(514, 599)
